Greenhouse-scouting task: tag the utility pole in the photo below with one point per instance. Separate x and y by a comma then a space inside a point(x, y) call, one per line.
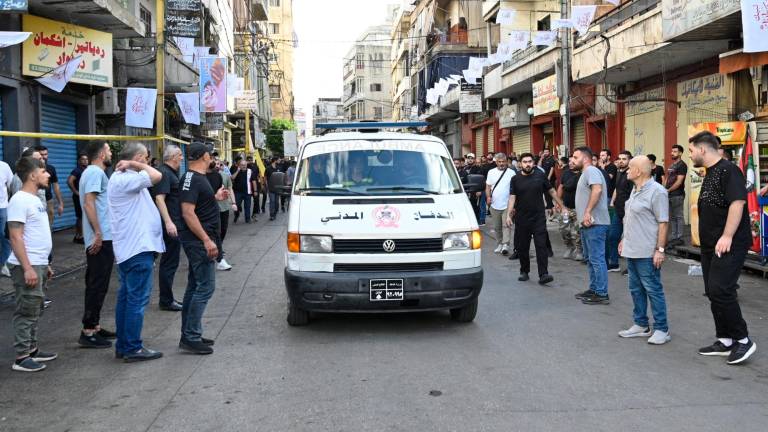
point(160, 69)
point(565, 72)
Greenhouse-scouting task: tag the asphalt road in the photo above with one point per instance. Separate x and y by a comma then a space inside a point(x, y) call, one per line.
point(534, 359)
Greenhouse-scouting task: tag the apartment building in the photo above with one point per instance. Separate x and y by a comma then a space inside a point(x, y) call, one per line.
point(282, 40)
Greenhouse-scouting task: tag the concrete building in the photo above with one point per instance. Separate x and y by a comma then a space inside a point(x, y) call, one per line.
point(367, 75)
point(327, 110)
point(401, 65)
point(282, 40)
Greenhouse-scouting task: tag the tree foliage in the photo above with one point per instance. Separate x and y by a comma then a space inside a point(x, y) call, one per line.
point(275, 134)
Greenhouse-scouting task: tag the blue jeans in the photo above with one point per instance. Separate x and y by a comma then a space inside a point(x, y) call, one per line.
point(201, 282)
point(593, 240)
point(132, 297)
point(243, 202)
point(483, 207)
point(5, 245)
point(614, 236)
point(645, 284)
point(274, 199)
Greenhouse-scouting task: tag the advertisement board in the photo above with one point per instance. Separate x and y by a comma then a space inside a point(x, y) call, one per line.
point(731, 133)
point(545, 98)
point(213, 84)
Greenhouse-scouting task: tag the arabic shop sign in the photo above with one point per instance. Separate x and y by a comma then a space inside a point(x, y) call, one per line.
point(545, 98)
point(183, 18)
point(729, 132)
point(13, 5)
point(54, 43)
point(710, 93)
point(681, 16)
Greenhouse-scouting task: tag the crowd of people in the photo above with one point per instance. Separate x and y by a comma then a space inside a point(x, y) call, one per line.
point(189, 211)
point(626, 207)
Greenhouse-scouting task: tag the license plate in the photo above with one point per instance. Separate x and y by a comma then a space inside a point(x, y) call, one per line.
point(386, 289)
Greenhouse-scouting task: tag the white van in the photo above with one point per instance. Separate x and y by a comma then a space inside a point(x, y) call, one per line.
point(380, 222)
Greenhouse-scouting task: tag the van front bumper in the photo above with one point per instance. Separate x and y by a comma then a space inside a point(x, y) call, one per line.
point(350, 292)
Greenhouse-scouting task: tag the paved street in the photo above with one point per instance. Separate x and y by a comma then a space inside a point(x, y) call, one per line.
point(534, 359)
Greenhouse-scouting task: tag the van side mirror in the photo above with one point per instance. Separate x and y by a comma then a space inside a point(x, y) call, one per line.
point(475, 183)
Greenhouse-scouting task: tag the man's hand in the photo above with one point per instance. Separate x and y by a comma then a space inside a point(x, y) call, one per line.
point(123, 165)
point(50, 272)
point(658, 259)
point(61, 208)
point(587, 222)
point(723, 246)
point(764, 191)
point(234, 207)
point(30, 277)
point(488, 200)
point(96, 246)
point(222, 194)
point(478, 194)
point(170, 228)
point(211, 249)
point(621, 246)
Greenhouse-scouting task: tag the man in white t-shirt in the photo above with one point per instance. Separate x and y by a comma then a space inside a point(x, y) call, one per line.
point(497, 198)
point(31, 242)
point(137, 235)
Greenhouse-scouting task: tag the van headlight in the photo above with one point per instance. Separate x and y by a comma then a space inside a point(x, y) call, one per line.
point(462, 240)
point(316, 244)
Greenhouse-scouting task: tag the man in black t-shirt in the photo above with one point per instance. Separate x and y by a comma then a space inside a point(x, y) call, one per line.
point(676, 189)
point(166, 194)
point(526, 209)
point(569, 224)
point(199, 233)
point(725, 240)
point(273, 196)
point(657, 172)
point(622, 190)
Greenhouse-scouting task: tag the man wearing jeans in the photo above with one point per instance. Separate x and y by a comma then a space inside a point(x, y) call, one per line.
point(6, 178)
point(646, 219)
point(676, 188)
point(199, 233)
point(497, 193)
point(137, 235)
point(592, 213)
point(622, 190)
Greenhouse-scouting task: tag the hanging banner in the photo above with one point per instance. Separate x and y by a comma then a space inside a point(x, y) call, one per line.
point(518, 39)
point(199, 52)
point(189, 104)
point(187, 47)
point(14, 5)
point(54, 43)
point(213, 84)
point(57, 79)
point(547, 38)
point(754, 22)
point(730, 133)
point(183, 5)
point(582, 17)
point(560, 23)
point(12, 38)
point(545, 98)
point(476, 64)
point(140, 107)
point(506, 16)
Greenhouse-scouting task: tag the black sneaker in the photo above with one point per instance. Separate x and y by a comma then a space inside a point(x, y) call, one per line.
point(716, 349)
point(523, 277)
point(143, 354)
point(206, 341)
point(741, 352)
point(596, 299)
point(106, 334)
point(173, 306)
point(93, 341)
point(625, 272)
point(514, 256)
point(545, 279)
point(41, 356)
point(195, 347)
point(614, 269)
point(27, 364)
point(584, 294)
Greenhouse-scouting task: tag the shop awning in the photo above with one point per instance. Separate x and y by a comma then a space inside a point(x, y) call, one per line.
point(737, 60)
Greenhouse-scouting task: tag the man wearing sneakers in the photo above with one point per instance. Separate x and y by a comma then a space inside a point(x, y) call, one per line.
point(166, 194)
point(497, 196)
point(725, 238)
point(199, 233)
point(646, 220)
point(99, 255)
point(31, 244)
point(592, 212)
point(218, 179)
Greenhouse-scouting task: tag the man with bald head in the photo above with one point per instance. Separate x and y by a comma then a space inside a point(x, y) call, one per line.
point(646, 220)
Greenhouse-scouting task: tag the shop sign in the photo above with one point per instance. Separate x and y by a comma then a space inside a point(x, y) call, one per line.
point(470, 102)
point(249, 100)
point(13, 5)
point(545, 98)
point(54, 43)
point(212, 121)
point(709, 93)
point(183, 18)
point(508, 116)
point(729, 132)
point(681, 16)
point(477, 87)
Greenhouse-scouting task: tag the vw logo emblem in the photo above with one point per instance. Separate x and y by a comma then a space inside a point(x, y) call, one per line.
point(388, 246)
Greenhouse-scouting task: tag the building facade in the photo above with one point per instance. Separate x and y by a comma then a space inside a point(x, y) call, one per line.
point(327, 110)
point(282, 40)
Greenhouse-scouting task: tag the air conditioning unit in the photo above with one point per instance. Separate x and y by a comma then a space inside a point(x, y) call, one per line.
point(107, 103)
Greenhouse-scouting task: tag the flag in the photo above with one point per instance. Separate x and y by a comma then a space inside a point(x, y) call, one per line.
point(753, 207)
point(140, 107)
point(189, 104)
point(562, 23)
point(755, 25)
point(506, 16)
point(582, 17)
point(8, 38)
point(547, 38)
point(518, 39)
point(58, 78)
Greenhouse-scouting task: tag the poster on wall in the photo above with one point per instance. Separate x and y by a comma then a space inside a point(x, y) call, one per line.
point(213, 84)
point(54, 43)
point(545, 98)
point(730, 133)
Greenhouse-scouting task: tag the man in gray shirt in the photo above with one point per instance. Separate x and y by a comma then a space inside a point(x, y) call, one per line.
point(646, 221)
point(592, 213)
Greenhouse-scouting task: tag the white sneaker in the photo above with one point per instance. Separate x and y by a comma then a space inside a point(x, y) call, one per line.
point(223, 265)
point(5, 272)
point(568, 254)
point(659, 338)
point(635, 331)
point(498, 249)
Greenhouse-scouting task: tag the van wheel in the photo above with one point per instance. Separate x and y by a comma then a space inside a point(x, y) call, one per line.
point(297, 316)
point(465, 314)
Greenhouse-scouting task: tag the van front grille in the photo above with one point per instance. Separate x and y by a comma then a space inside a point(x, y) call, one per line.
point(375, 246)
point(387, 267)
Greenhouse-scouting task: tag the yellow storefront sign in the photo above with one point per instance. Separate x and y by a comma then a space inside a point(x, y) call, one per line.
point(733, 133)
point(545, 98)
point(54, 43)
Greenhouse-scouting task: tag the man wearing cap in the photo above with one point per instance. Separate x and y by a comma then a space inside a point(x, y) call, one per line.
point(199, 233)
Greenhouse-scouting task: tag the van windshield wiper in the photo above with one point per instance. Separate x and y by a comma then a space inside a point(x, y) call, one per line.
point(402, 188)
point(330, 189)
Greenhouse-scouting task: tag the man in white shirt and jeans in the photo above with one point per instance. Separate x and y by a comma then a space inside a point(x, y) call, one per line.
point(137, 235)
point(497, 193)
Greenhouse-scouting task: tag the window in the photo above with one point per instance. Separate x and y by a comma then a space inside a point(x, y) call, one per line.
point(360, 61)
point(274, 91)
point(359, 83)
point(273, 57)
point(543, 24)
point(375, 87)
point(146, 18)
point(274, 3)
point(378, 113)
point(274, 28)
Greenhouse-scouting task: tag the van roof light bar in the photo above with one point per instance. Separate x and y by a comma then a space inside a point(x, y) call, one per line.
point(371, 126)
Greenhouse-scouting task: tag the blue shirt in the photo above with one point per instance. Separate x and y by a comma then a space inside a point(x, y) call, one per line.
point(94, 180)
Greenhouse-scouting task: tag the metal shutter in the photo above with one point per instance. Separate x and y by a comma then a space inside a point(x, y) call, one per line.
point(521, 140)
point(491, 140)
point(579, 133)
point(480, 141)
point(60, 117)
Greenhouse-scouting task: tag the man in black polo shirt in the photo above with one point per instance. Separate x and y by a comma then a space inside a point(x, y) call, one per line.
point(725, 237)
point(526, 209)
point(166, 194)
point(621, 192)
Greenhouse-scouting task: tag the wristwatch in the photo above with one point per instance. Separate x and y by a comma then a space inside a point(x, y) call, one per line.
point(660, 249)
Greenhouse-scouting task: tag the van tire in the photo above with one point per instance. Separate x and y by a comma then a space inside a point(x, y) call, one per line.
point(465, 314)
point(297, 316)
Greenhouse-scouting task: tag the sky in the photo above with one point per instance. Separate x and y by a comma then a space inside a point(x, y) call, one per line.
point(326, 31)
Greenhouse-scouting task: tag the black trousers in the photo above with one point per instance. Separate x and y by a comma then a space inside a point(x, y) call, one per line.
point(224, 221)
point(527, 228)
point(169, 263)
point(721, 277)
point(97, 274)
point(475, 201)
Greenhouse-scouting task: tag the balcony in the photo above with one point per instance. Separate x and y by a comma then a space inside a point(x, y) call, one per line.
point(118, 17)
point(527, 66)
point(700, 20)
